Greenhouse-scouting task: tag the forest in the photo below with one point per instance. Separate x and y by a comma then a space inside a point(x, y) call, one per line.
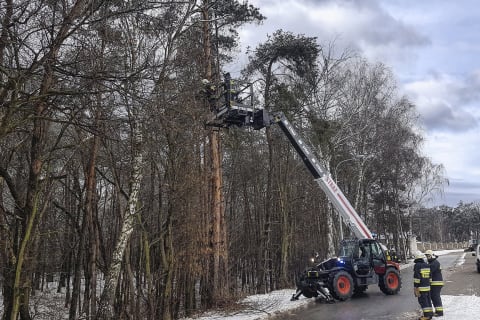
point(113, 188)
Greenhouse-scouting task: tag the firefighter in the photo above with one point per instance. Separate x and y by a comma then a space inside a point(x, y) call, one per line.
point(421, 285)
point(393, 255)
point(436, 282)
point(209, 91)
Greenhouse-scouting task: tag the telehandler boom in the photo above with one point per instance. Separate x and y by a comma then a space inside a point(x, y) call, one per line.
point(361, 261)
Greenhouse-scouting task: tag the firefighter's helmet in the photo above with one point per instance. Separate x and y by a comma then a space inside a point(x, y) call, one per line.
point(419, 256)
point(429, 253)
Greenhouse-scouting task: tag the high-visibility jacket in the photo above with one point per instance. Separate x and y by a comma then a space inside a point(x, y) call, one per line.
point(421, 276)
point(435, 273)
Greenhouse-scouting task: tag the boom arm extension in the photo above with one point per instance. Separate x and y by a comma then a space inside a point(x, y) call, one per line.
point(237, 109)
point(323, 178)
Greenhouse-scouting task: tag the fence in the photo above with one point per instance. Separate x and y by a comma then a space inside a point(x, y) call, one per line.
point(423, 246)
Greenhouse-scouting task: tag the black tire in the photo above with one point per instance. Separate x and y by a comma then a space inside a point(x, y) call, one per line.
point(308, 294)
point(359, 290)
point(478, 268)
point(308, 290)
point(341, 285)
point(390, 283)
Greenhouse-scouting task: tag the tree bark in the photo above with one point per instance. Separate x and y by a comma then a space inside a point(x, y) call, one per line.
point(90, 216)
point(105, 309)
point(218, 225)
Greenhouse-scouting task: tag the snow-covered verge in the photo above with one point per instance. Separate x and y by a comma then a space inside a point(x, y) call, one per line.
point(46, 305)
point(263, 306)
point(259, 306)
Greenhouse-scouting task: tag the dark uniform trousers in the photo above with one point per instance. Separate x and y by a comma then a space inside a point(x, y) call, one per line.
point(421, 282)
point(436, 284)
point(425, 304)
point(436, 300)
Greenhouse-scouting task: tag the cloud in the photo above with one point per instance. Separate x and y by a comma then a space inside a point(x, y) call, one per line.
point(446, 103)
point(459, 155)
point(432, 47)
point(359, 24)
point(460, 191)
point(442, 116)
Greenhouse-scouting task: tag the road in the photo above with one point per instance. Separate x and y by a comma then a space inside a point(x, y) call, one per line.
point(461, 278)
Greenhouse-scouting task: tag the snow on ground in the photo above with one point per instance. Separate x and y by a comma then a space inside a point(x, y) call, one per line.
point(263, 306)
point(260, 306)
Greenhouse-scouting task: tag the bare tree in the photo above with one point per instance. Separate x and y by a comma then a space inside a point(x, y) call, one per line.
point(282, 55)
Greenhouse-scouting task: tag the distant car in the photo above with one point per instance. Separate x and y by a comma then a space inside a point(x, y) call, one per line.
point(472, 245)
point(476, 254)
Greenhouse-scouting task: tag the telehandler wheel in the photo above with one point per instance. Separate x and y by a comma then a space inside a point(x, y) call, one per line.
point(341, 284)
point(390, 283)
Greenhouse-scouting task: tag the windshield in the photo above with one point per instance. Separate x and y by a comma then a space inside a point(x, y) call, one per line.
point(347, 249)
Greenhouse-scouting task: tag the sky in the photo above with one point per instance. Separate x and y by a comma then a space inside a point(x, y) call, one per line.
point(263, 306)
point(432, 47)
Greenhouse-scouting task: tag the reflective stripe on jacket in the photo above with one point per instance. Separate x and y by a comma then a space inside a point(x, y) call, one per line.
point(421, 276)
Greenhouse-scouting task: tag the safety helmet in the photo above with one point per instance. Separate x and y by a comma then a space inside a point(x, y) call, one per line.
point(419, 255)
point(430, 255)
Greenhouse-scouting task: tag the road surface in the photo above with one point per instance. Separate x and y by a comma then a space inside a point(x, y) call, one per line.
point(460, 275)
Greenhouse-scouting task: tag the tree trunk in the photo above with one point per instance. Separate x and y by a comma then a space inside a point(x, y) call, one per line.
point(30, 214)
point(8, 256)
point(330, 227)
point(168, 277)
point(219, 241)
point(90, 216)
point(266, 243)
point(286, 238)
point(148, 277)
point(267, 227)
point(77, 274)
point(105, 310)
point(217, 207)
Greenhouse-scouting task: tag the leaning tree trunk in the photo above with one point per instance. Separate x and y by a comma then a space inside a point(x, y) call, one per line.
point(24, 265)
point(105, 308)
